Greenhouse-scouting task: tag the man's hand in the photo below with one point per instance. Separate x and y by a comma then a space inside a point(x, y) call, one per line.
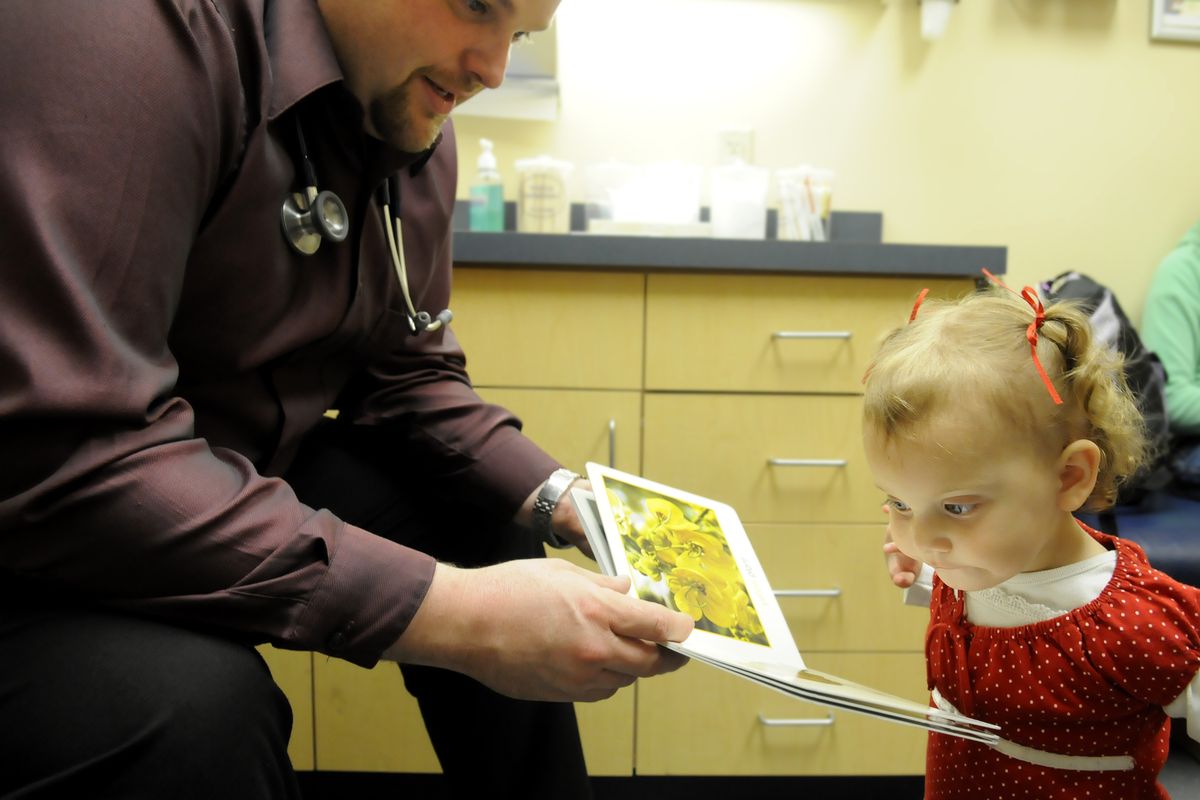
point(541, 629)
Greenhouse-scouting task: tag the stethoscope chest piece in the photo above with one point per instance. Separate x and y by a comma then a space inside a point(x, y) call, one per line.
point(309, 218)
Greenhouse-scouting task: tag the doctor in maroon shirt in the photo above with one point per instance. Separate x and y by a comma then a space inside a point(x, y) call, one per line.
point(171, 491)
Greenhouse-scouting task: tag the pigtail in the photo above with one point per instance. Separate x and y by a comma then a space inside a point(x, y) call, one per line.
point(1101, 402)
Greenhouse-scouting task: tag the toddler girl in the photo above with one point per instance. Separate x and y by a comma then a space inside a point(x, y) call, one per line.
point(987, 422)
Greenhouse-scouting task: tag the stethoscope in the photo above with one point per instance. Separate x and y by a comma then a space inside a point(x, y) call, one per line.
point(311, 216)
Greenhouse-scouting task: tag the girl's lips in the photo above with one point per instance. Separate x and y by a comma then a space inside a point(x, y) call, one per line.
point(441, 100)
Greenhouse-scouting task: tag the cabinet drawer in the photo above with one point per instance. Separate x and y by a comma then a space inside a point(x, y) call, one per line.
point(702, 721)
point(722, 446)
point(834, 589)
point(773, 333)
point(366, 721)
point(292, 671)
point(578, 426)
point(578, 330)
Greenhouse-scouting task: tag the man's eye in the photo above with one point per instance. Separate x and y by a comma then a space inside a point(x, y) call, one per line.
point(477, 6)
point(958, 509)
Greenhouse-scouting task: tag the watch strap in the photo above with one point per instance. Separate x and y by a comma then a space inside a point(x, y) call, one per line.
point(544, 504)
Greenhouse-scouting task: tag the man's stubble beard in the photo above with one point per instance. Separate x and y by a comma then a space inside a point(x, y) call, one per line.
point(395, 123)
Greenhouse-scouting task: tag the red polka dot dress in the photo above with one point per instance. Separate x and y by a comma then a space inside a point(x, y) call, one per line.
point(1079, 697)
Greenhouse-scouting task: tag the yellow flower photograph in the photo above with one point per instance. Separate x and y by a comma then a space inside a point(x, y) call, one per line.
point(680, 558)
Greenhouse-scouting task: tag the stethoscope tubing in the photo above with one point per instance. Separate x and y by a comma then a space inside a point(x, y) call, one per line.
point(314, 216)
point(394, 227)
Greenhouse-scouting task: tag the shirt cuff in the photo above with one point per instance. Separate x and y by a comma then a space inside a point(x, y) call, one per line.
point(370, 593)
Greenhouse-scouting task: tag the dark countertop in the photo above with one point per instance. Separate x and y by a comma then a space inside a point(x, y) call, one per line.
point(857, 249)
point(590, 251)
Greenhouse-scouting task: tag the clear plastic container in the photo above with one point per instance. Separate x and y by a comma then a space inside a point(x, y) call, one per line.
point(738, 201)
point(805, 203)
point(543, 195)
point(603, 184)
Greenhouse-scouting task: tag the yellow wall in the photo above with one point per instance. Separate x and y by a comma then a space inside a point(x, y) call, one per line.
point(1053, 127)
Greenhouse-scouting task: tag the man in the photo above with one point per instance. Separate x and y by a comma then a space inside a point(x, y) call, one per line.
point(172, 490)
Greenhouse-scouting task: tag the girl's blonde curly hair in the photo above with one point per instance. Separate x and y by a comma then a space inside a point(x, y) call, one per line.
point(972, 354)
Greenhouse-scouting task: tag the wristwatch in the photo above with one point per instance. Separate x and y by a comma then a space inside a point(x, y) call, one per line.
point(544, 504)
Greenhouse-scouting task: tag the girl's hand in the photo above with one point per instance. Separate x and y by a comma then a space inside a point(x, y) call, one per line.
point(904, 570)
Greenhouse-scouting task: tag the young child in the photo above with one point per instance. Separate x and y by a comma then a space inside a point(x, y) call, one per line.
point(987, 422)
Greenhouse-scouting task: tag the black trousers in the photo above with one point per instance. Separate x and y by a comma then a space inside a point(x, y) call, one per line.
point(97, 704)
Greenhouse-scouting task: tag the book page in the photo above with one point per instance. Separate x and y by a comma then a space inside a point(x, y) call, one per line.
point(691, 554)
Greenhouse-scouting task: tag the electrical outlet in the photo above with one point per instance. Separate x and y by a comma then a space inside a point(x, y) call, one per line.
point(735, 144)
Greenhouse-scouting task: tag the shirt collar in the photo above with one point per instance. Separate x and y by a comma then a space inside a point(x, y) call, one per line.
point(300, 51)
point(303, 61)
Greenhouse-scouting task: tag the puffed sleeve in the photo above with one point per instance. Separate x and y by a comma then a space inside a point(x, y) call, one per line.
point(1147, 638)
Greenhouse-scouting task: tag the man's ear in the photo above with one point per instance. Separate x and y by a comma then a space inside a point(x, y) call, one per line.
point(1078, 467)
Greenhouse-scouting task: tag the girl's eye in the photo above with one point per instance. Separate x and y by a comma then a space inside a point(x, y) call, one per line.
point(959, 509)
point(898, 505)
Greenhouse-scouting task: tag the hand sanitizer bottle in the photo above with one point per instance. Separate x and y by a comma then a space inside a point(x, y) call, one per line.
point(487, 193)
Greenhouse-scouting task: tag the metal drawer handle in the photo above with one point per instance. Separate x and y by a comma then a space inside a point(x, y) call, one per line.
point(811, 722)
point(807, 462)
point(612, 443)
point(810, 335)
point(807, 592)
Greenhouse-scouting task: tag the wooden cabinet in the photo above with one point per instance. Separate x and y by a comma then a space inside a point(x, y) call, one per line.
point(743, 388)
point(532, 347)
point(567, 330)
point(577, 427)
point(366, 721)
point(292, 671)
point(702, 721)
point(773, 458)
point(753, 397)
point(772, 333)
point(829, 580)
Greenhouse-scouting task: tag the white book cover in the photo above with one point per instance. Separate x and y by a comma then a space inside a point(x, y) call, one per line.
point(691, 554)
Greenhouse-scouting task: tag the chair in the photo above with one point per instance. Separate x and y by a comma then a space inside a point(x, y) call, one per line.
point(1166, 525)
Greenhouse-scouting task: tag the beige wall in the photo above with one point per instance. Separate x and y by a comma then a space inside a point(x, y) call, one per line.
point(1053, 127)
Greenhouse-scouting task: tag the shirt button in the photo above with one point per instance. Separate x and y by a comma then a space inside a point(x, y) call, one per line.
point(337, 641)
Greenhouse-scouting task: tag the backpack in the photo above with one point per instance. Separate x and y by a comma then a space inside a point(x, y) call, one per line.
point(1144, 373)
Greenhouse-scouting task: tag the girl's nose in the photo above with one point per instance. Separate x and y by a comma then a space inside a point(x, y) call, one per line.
point(932, 539)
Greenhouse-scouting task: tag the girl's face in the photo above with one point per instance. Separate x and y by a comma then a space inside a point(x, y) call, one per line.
point(978, 508)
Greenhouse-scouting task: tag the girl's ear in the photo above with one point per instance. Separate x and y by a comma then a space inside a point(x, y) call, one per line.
point(1078, 467)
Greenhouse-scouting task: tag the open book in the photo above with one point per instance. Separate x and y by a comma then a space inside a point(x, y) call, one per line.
point(691, 554)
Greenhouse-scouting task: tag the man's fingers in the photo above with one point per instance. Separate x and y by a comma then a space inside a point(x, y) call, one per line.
point(618, 583)
point(637, 658)
point(641, 619)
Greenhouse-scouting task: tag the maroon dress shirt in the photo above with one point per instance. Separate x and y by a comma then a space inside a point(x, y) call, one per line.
point(162, 349)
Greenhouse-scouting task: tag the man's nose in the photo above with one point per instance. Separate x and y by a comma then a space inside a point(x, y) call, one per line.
point(488, 61)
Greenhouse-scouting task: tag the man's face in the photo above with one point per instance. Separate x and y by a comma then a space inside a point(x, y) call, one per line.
point(410, 62)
